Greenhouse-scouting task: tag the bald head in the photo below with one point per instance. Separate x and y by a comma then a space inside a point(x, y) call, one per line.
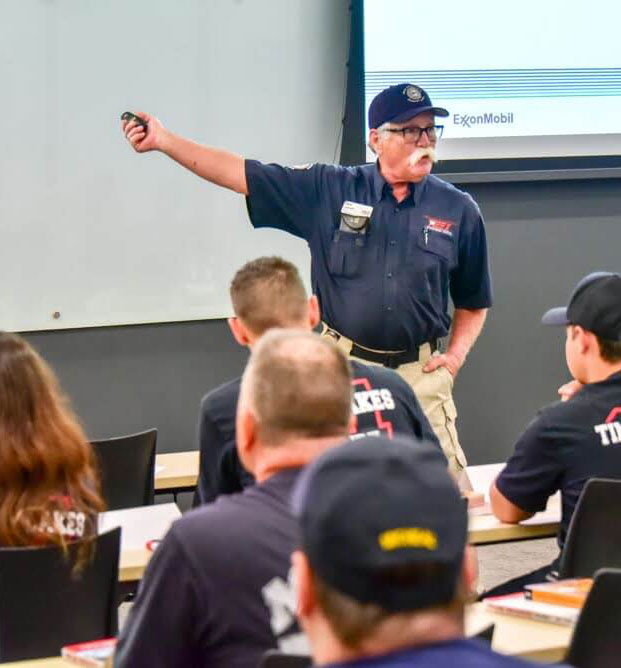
point(297, 385)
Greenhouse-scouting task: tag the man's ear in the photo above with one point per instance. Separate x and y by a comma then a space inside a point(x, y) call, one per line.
point(353, 424)
point(374, 141)
point(314, 316)
point(470, 569)
point(304, 584)
point(246, 436)
point(584, 338)
point(589, 341)
point(239, 331)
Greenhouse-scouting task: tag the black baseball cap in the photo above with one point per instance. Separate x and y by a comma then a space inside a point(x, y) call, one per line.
point(595, 304)
point(372, 506)
point(397, 104)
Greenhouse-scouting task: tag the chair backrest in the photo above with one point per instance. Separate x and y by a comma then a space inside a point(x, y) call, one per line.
point(275, 659)
point(45, 605)
point(596, 641)
point(594, 535)
point(126, 466)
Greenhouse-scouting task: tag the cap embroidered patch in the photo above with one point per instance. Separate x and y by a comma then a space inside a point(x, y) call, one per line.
point(413, 93)
point(394, 539)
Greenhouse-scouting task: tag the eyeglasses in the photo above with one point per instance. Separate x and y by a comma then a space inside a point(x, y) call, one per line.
point(412, 134)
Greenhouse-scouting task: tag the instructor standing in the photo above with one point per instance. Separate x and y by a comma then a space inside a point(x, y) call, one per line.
point(388, 243)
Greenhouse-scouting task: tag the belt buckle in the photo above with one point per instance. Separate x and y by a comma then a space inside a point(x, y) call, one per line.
point(391, 361)
point(332, 334)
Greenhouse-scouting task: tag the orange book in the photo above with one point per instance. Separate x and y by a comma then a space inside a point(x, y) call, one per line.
point(571, 593)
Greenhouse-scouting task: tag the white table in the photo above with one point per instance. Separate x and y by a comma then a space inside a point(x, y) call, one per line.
point(138, 527)
point(484, 527)
point(527, 638)
point(176, 471)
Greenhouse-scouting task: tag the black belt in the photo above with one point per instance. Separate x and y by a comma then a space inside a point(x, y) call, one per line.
point(390, 360)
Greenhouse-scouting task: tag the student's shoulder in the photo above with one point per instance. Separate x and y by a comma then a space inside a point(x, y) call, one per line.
point(471, 653)
point(248, 508)
point(439, 188)
point(208, 529)
point(222, 396)
point(572, 411)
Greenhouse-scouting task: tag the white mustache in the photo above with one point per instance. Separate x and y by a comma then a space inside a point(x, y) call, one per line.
point(420, 153)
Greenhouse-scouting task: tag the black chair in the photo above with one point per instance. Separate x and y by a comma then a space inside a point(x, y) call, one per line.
point(45, 605)
point(275, 659)
point(596, 641)
point(594, 535)
point(126, 466)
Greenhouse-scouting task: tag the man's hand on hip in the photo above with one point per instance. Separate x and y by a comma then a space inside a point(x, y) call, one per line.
point(448, 360)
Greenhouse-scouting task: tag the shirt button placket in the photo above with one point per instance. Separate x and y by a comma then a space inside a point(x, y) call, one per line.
point(391, 265)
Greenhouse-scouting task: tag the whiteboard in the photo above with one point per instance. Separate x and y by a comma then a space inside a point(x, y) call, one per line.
point(99, 235)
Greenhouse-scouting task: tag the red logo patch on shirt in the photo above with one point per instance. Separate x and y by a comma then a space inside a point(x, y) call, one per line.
point(439, 225)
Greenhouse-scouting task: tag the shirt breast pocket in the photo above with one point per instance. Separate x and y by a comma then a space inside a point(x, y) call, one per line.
point(349, 251)
point(437, 248)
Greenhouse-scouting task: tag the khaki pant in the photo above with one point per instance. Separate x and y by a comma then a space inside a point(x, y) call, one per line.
point(434, 391)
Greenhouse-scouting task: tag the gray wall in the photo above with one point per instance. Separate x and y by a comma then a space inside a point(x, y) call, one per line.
point(126, 239)
point(543, 237)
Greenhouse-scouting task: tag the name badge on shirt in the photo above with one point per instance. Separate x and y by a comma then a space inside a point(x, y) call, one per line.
point(355, 217)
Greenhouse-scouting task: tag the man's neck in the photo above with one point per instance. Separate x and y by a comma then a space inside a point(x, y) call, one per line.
point(397, 633)
point(601, 370)
point(292, 454)
point(400, 188)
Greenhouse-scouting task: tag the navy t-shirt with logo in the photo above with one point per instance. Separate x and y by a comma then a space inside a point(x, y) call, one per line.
point(383, 404)
point(462, 653)
point(217, 591)
point(385, 286)
point(565, 445)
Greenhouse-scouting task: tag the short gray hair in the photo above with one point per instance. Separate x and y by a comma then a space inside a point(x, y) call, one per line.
point(382, 129)
point(297, 384)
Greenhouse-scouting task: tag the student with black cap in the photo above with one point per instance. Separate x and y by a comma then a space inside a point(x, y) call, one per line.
point(383, 572)
point(389, 243)
point(569, 442)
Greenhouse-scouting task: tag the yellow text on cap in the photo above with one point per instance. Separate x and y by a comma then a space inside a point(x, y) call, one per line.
point(394, 539)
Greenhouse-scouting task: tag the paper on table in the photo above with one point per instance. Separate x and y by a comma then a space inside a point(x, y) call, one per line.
point(140, 525)
point(482, 476)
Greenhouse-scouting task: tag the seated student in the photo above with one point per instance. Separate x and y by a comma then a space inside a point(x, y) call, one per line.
point(382, 572)
point(268, 292)
point(571, 441)
point(49, 486)
point(217, 590)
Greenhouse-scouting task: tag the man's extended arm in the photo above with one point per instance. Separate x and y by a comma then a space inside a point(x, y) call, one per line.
point(215, 165)
point(467, 325)
point(505, 510)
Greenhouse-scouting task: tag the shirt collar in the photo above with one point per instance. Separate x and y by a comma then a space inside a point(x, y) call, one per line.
point(380, 186)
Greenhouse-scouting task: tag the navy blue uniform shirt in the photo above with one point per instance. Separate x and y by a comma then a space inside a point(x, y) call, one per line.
point(383, 403)
point(565, 445)
point(217, 591)
point(386, 288)
point(462, 652)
